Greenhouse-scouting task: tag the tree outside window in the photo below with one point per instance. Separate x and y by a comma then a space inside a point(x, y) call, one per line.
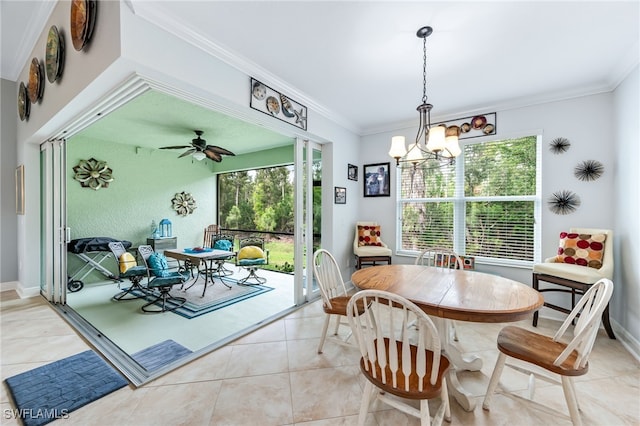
point(485, 205)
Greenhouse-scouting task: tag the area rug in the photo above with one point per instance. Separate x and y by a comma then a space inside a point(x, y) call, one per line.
point(161, 354)
point(216, 297)
point(52, 391)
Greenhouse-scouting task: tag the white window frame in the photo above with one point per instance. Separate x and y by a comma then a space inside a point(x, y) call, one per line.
point(459, 205)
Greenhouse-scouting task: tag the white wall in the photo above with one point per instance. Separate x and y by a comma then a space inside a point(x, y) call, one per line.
point(626, 130)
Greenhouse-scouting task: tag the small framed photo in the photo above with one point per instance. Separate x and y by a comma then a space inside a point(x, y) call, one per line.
point(340, 195)
point(352, 172)
point(376, 180)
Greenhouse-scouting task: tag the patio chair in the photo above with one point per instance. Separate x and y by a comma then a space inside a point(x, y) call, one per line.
point(251, 255)
point(128, 269)
point(398, 364)
point(210, 233)
point(554, 354)
point(223, 242)
point(162, 280)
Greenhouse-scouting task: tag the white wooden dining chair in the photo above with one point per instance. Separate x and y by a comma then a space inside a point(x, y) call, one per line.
point(552, 353)
point(399, 363)
point(442, 258)
point(334, 296)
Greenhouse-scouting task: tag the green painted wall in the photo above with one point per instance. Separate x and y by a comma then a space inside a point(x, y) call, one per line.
point(144, 185)
point(269, 157)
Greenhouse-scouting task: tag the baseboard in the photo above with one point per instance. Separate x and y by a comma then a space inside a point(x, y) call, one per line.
point(9, 285)
point(629, 342)
point(23, 293)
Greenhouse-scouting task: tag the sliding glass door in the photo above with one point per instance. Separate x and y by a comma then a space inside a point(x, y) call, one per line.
point(308, 159)
point(54, 232)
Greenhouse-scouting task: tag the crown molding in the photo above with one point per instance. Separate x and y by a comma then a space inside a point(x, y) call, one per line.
point(154, 13)
point(11, 70)
point(515, 103)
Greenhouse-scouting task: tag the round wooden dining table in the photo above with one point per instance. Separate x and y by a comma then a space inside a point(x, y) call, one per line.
point(455, 294)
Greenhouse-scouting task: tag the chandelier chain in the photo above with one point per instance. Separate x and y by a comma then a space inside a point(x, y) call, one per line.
point(424, 70)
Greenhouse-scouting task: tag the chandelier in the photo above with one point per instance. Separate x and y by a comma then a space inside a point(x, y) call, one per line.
point(438, 143)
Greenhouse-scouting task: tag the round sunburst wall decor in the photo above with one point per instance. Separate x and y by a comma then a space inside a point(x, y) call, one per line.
point(183, 203)
point(588, 170)
point(559, 145)
point(563, 202)
point(93, 174)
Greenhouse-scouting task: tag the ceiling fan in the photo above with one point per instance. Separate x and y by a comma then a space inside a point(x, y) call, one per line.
point(200, 150)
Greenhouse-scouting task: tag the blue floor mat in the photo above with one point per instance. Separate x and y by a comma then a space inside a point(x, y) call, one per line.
point(163, 353)
point(54, 390)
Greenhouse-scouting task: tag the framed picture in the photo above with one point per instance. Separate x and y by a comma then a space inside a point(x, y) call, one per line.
point(352, 172)
point(376, 180)
point(20, 189)
point(340, 195)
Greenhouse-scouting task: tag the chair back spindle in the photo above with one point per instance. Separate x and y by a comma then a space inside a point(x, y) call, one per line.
point(328, 276)
point(388, 345)
point(588, 312)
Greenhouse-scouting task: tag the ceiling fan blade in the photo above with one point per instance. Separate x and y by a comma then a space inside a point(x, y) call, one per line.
point(212, 155)
point(187, 152)
point(176, 147)
point(218, 150)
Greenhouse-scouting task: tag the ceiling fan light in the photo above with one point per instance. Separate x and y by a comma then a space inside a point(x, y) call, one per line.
point(199, 155)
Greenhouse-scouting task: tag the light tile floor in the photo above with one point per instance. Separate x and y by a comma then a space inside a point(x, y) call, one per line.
point(274, 376)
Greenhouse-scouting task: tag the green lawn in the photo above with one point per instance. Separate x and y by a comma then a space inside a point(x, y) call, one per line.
point(280, 256)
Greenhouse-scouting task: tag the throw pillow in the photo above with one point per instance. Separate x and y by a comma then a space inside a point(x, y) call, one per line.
point(222, 245)
point(126, 262)
point(250, 252)
point(158, 265)
point(581, 249)
point(369, 235)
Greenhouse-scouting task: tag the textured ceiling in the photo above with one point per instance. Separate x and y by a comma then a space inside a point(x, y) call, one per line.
point(153, 120)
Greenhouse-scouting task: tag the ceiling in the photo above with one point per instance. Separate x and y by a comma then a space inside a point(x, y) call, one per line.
point(362, 62)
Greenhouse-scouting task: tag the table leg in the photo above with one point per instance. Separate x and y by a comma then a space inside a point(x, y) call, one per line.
point(209, 270)
point(188, 266)
point(458, 363)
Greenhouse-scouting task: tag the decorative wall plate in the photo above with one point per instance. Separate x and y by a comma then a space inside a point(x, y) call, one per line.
point(36, 81)
point(54, 55)
point(488, 129)
point(259, 91)
point(478, 122)
point(273, 106)
point(83, 14)
point(23, 102)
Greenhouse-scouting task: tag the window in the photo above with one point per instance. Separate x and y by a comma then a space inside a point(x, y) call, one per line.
point(485, 205)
